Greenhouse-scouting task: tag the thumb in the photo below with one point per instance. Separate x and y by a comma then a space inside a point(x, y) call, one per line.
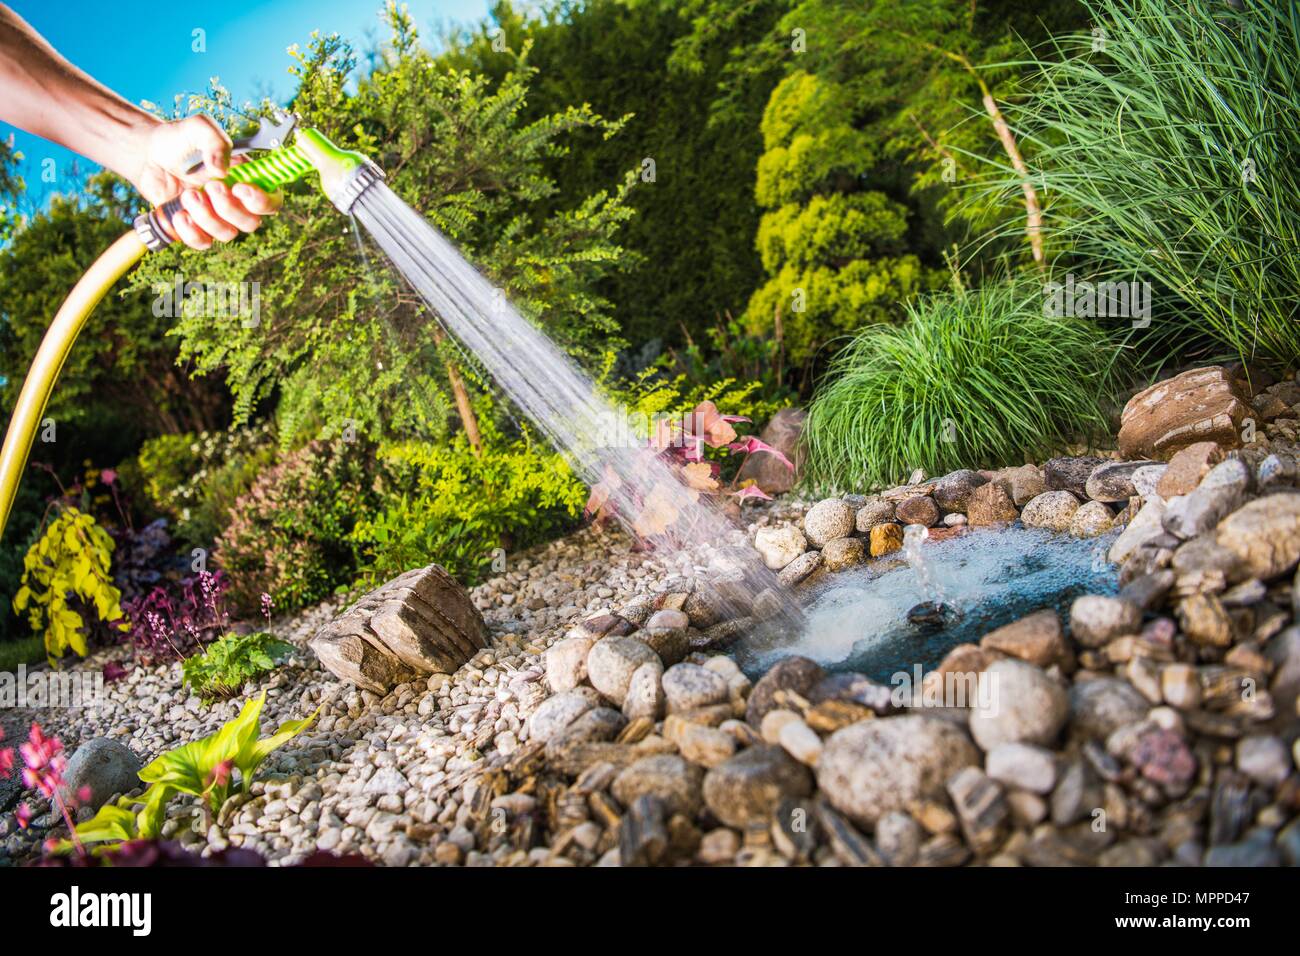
point(203, 135)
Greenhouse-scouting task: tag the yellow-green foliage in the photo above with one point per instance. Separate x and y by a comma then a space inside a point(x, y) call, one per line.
point(833, 251)
point(205, 769)
point(71, 560)
point(464, 510)
point(649, 396)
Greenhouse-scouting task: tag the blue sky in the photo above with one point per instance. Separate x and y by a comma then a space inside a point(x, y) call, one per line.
point(142, 48)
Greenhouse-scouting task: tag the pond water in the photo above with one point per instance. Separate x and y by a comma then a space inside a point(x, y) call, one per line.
point(858, 620)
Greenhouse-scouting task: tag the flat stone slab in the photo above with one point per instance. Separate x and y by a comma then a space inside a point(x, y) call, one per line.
point(420, 622)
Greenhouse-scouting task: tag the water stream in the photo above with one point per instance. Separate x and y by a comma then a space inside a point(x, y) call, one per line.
point(544, 383)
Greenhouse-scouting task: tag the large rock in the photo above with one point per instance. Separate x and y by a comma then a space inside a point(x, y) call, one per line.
point(874, 511)
point(827, 520)
point(768, 471)
point(557, 712)
point(1113, 481)
point(1070, 474)
point(798, 674)
point(1035, 638)
point(566, 662)
point(1097, 619)
point(1025, 706)
point(665, 776)
point(953, 490)
point(421, 622)
point(1100, 707)
point(840, 554)
point(104, 767)
point(1187, 467)
point(1264, 535)
point(878, 766)
point(1147, 525)
point(1053, 510)
point(1204, 404)
point(919, 509)
point(747, 788)
point(990, 505)
point(689, 687)
point(1221, 492)
point(612, 662)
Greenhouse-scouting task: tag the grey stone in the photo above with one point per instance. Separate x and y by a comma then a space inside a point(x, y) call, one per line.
point(103, 766)
point(1025, 705)
point(877, 766)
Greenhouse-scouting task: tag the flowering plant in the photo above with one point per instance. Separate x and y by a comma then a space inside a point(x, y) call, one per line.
point(43, 772)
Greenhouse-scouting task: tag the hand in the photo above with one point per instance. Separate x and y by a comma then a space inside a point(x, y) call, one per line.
point(211, 210)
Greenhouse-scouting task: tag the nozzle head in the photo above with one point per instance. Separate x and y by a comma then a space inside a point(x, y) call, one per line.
point(344, 174)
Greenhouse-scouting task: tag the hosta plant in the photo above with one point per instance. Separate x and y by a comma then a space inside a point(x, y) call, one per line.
point(206, 769)
point(66, 580)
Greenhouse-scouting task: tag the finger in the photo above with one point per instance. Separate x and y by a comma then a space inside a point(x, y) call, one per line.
point(256, 201)
point(230, 209)
point(190, 234)
point(203, 133)
point(201, 211)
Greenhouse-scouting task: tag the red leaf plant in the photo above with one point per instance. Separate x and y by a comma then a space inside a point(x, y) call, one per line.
point(655, 507)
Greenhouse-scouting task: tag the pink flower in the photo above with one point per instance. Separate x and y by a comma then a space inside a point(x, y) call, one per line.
point(24, 815)
point(39, 749)
point(108, 476)
point(6, 762)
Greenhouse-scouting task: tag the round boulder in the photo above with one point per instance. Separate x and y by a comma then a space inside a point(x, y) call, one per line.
point(745, 789)
point(690, 687)
point(826, 520)
point(613, 660)
point(1053, 510)
point(875, 767)
point(1100, 707)
point(103, 766)
point(1024, 705)
point(798, 674)
point(666, 776)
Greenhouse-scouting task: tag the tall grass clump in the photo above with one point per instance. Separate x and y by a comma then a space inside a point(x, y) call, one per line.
point(1167, 140)
point(972, 378)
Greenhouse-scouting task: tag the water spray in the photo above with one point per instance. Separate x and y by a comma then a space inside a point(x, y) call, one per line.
point(345, 176)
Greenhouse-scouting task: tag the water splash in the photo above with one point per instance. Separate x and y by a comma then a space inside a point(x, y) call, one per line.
point(914, 536)
point(546, 384)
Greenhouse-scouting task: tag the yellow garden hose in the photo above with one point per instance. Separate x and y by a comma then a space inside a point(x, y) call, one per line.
point(58, 341)
point(344, 176)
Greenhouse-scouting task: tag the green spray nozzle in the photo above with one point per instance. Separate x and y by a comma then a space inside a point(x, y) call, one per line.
point(344, 174)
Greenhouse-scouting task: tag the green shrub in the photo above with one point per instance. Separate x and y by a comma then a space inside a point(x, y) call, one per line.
point(835, 253)
point(1170, 146)
point(228, 663)
point(464, 510)
point(289, 535)
point(982, 378)
point(195, 478)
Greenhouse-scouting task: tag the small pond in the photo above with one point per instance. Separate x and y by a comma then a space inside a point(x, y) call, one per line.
point(858, 620)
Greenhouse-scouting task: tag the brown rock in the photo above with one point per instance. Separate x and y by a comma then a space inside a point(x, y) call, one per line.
point(1203, 404)
point(990, 504)
point(423, 621)
point(1036, 638)
point(1187, 467)
point(1264, 534)
point(768, 471)
point(919, 509)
